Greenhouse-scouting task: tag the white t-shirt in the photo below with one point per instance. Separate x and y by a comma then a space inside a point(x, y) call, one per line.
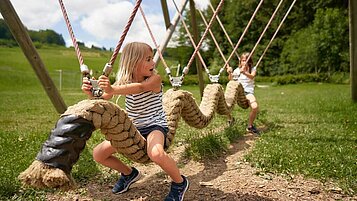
point(247, 83)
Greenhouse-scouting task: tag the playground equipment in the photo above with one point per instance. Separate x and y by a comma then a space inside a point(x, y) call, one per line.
point(61, 151)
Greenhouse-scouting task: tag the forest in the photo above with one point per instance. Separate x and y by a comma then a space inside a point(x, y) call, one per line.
point(313, 39)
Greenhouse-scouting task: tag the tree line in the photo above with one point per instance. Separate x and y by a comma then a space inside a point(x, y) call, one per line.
point(42, 36)
point(313, 39)
point(39, 38)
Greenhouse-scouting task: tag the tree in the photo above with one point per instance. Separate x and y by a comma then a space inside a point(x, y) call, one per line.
point(42, 36)
point(47, 37)
point(321, 47)
point(299, 55)
point(299, 24)
point(4, 31)
point(331, 32)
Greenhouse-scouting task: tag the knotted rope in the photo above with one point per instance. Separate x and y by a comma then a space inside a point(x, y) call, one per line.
point(61, 150)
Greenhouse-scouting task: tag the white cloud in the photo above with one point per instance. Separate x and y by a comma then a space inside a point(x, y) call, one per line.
point(94, 22)
point(106, 22)
point(39, 14)
point(90, 43)
point(156, 24)
point(109, 22)
point(79, 8)
point(199, 4)
point(45, 14)
point(69, 42)
point(202, 4)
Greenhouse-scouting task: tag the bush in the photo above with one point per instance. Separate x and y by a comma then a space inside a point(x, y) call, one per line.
point(8, 43)
point(327, 50)
point(37, 44)
point(337, 78)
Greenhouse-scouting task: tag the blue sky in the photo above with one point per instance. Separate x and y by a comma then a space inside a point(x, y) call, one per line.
point(97, 22)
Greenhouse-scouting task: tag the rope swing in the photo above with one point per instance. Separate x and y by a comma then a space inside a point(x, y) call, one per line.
point(275, 33)
point(243, 34)
point(54, 162)
point(266, 27)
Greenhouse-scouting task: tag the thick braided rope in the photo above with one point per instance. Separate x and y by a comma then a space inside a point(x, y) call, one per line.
point(117, 127)
point(52, 170)
point(179, 103)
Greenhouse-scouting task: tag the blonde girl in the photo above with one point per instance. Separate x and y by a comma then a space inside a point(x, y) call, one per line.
point(142, 87)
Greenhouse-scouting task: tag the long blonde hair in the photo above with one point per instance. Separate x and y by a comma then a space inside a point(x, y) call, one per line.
point(132, 54)
point(250, 62)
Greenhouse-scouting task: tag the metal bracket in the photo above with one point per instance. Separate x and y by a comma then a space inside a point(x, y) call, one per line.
point(213, 78)
point(176, 81)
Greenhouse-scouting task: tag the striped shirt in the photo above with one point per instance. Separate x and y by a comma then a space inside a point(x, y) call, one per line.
point(145, 109)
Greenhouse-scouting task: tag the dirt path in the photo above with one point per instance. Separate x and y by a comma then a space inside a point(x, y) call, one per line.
point(228, 178)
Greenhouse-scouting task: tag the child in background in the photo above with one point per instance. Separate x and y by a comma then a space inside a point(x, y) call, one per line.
point(138, 81)
point(245, 74)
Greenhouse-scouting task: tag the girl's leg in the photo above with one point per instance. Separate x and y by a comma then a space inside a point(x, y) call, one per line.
point(254, 109)
point(103, 154)
point(156, 152)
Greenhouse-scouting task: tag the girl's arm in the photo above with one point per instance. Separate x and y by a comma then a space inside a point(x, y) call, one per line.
point(250, 75)
point(153, 83)
point(230, 72)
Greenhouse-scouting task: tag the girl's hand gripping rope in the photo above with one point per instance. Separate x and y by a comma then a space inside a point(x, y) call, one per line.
point(104, 83)
point(87, 86)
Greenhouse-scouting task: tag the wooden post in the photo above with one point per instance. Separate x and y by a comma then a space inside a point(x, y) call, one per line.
point(170, 31)
point(23, 39)
point(165, 11)
point(353, 45)
point(195, 39)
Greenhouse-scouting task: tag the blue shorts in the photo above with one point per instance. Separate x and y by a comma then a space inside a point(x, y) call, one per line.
point(145, 131)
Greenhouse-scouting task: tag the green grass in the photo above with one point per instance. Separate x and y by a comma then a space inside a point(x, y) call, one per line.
point(309, 129)
point(312, 131)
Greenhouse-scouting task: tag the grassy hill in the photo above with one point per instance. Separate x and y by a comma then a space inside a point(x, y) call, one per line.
point(309, 129)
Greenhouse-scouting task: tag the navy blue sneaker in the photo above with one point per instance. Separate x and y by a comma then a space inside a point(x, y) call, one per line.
point(252, 129)
point(177, 191)
point(125, 181)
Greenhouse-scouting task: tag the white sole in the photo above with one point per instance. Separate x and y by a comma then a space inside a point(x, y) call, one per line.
point(127, 188)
